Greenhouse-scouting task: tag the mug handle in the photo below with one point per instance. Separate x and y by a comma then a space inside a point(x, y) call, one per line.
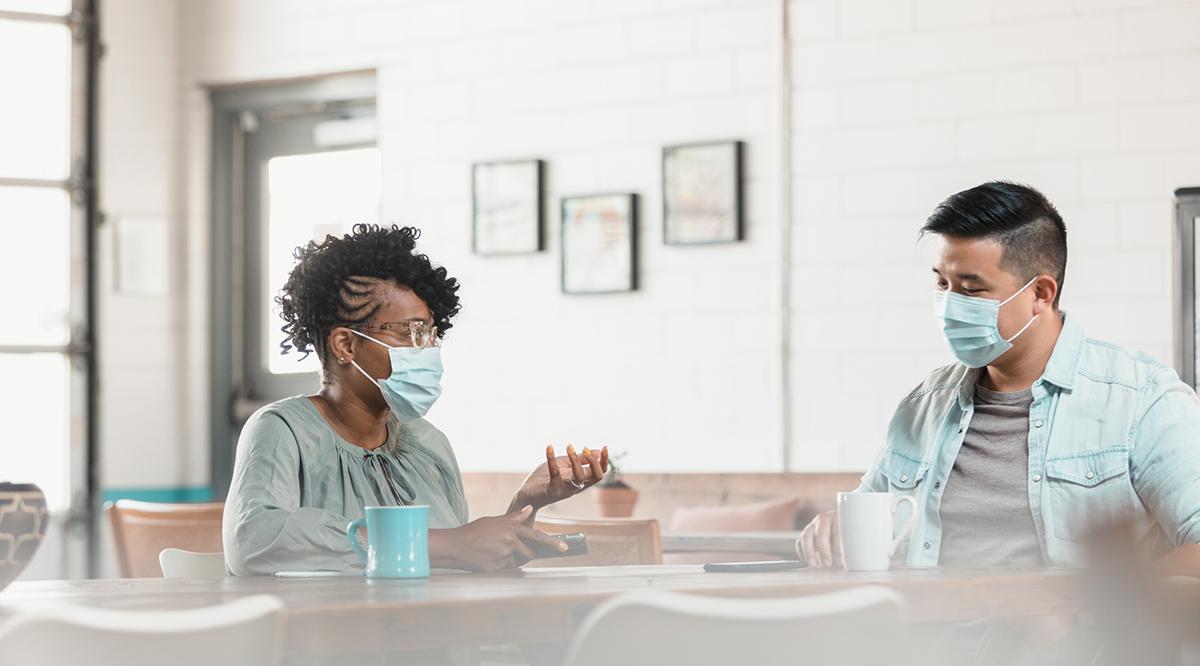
point(911, 521)
point(352, 536)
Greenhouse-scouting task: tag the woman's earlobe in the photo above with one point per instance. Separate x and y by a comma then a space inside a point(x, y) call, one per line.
point(341, 347)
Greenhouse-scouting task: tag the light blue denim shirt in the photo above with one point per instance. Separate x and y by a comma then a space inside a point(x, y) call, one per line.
point(1112, 434)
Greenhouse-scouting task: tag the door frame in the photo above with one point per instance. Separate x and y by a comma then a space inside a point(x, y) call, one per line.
point(234, 110)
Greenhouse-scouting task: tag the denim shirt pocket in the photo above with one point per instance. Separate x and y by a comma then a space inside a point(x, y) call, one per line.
point(903, 472)
point(1089, 490)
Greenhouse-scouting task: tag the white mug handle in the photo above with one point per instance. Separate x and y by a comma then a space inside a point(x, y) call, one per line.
point(908, 526)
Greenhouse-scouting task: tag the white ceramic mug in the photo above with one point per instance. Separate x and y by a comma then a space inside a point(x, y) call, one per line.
point(865, 523)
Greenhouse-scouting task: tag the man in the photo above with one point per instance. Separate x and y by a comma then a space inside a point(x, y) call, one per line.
point(1038, 435)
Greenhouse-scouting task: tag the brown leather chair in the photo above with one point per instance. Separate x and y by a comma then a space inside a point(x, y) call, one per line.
point(141, 530)
point(611, 541)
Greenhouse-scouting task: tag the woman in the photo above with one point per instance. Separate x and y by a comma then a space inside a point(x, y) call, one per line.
point(374, 311)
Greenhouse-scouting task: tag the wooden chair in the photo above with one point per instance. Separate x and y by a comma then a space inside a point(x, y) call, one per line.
point(611, 541)
point(142, 530)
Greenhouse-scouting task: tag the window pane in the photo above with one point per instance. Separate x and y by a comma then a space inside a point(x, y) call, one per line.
point(35, 265)
point(35, 409)
point(308, 197)
point(56, 7)
point(35, 118)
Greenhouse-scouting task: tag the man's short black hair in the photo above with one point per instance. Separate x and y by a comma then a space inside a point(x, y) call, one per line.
point(1019, 217)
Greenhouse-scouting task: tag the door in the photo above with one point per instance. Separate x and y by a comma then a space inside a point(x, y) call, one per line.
point(302, 162)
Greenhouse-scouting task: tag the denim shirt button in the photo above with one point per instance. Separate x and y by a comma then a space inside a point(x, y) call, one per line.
point(903, 477)
point(1037, 477)
point(1090, 475)
point(1037, 423)
point(927, 545)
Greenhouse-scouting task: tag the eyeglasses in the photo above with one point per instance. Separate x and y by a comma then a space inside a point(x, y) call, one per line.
point(411, 333)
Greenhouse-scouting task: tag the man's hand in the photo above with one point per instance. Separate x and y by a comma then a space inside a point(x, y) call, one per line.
point(820, 544)
point(494, 543)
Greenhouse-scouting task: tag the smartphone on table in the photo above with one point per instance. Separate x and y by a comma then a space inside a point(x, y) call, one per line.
point(576, 545)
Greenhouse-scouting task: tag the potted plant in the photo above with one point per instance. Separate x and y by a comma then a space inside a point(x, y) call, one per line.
point(614, 497)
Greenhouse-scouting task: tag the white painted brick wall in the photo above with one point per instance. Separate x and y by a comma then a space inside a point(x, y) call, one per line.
point(141, 350)
point(896, 104)
point(596, 89)
point(1092, 101)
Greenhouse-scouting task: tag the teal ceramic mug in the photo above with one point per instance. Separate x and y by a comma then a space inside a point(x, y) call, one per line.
point(397, 541)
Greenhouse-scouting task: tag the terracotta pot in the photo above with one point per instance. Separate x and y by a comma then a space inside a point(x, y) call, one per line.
point(615, 502)
point(23, 518)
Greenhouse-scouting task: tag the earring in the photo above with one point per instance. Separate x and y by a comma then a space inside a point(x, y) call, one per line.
point(342, 361)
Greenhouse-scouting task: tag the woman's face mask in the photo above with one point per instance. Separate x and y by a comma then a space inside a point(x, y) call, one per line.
point(971, 326)
point(415, 382)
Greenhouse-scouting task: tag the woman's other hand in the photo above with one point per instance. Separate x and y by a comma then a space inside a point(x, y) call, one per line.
point(495, 543)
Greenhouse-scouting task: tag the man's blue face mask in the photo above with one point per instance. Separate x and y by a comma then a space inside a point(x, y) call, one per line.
point(415, 382)
point(970, 325)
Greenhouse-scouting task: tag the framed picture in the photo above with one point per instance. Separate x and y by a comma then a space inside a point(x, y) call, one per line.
point(599, 243)
point(702, 193)
point(507, 212)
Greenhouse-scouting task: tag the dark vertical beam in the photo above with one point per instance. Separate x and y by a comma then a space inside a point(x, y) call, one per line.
point(91, 19)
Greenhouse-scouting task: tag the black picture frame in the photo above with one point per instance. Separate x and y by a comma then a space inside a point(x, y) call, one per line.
point(479, 245)
point(736, 208)
point(630, 225)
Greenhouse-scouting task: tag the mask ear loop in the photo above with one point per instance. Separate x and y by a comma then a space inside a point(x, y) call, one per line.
point(359, 367)
point(1030, 322)
point(1022, 329)
point(364, 372)
point(1002, 303)
point(360, 333)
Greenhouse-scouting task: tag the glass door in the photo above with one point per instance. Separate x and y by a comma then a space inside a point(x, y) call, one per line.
point(299, 197)
point(47, 65)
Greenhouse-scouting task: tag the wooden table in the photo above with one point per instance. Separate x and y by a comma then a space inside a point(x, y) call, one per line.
point(326, 614)
point(780, 544)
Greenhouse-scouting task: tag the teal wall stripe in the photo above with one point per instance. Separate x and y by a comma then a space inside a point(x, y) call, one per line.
point(196, 494)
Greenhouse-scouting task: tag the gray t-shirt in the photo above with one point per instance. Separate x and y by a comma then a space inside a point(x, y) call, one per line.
point(296, 484)
point(986, 520)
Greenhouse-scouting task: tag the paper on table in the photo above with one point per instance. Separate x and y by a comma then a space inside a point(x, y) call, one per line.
point(316, 574)
point(617, 571)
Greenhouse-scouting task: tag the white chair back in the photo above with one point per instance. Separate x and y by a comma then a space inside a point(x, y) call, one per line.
point(246, 632)
point(858, 626)
point(178, 563)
